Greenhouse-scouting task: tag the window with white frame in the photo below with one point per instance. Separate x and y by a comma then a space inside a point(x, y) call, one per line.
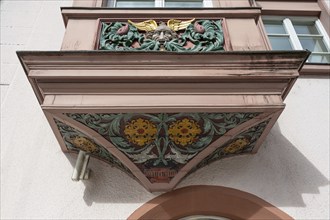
point(159, 3)
point(297, 33)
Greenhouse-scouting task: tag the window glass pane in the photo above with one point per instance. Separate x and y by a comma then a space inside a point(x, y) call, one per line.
point(313, 44)
point(319, 58)
point(184, 4)
point(275, 28)
point(280, 43)
point(111, 3)
point(135, 4)
point(305, 28)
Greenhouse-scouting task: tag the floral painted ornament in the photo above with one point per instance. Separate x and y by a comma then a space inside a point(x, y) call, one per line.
point(236, 146)
point(184, 132)
point(161, 144)
point(140, 132)
point(84, 144)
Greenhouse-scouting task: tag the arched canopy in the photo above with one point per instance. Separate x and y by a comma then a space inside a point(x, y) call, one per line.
point(208, 200)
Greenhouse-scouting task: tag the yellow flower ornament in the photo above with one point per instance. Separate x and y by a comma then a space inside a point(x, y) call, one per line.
point(184, 132)
point(236, 146)
point(140, 132)
point(84, 144)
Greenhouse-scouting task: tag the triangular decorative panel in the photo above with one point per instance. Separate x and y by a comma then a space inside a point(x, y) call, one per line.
point(161, 144)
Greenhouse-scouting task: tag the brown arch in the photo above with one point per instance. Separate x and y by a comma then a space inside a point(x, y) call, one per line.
point(208, 200)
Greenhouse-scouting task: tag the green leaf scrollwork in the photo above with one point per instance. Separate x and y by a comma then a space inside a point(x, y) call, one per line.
point(162, 139)
point(200, 36)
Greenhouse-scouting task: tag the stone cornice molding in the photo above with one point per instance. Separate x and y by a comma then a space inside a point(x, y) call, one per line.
point(229, 60)
point(157, 14)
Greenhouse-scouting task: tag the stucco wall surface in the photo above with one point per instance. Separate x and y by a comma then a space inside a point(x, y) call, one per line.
point(291, 169)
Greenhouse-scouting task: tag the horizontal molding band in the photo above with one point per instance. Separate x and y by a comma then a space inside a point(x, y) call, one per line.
point(158, 14)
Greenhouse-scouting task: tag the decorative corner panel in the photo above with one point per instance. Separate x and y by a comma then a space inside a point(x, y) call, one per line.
point(76, 141)
point(243, 143)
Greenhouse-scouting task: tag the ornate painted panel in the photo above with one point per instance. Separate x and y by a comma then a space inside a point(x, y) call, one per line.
point(161, 144)
point(75, 141)
point(175, 35)
point(241, 144)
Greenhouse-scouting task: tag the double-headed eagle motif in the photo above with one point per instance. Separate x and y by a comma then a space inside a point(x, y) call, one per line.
point(151, 25)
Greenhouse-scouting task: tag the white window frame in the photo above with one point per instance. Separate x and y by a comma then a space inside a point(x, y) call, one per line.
point(287, 34)
point(161, 3)
point(293, 36)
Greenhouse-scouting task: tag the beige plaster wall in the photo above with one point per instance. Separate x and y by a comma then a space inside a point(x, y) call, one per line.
point(27, 25)
point(291, 169)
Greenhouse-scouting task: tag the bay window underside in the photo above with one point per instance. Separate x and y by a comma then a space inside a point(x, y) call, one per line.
point(160, 116)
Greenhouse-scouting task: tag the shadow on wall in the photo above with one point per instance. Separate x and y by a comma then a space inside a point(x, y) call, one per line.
point(278, 173)
point(108, 184)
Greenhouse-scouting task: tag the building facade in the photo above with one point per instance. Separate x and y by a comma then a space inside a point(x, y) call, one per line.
point(216, 103)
